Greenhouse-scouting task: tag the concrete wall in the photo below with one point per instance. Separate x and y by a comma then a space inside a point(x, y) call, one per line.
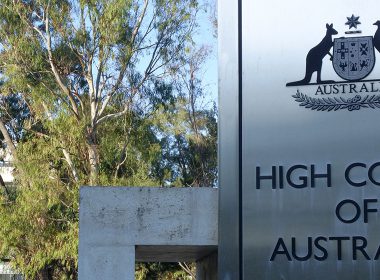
point(118, 225)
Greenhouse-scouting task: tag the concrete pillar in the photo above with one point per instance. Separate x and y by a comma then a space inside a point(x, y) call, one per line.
point(111, 262)
point(207, 267)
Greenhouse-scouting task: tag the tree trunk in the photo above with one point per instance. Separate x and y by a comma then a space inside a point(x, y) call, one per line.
point(93, 155)
point(94, 162)
point(11, 146)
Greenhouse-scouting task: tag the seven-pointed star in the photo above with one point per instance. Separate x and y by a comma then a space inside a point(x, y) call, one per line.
point(353, 21)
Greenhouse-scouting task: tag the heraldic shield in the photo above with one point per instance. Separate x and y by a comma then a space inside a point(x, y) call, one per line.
point(353, 58)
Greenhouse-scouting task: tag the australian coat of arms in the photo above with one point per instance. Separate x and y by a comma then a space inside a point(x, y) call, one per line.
point(353, 59)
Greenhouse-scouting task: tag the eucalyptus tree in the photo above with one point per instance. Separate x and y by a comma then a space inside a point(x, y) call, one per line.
point(83, 57)
point(189, 128)
point(88, 77)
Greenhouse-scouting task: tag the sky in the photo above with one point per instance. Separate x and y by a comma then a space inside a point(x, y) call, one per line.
point(205, 36)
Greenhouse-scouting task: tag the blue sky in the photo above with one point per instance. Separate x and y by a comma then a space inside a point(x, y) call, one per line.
point(205, 36)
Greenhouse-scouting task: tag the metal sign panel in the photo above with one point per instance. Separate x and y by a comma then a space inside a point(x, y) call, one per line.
point(310, 142)
point(229, 218)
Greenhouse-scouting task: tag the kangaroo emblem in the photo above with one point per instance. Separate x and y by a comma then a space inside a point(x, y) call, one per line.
point(376, 38)
point(315, 57)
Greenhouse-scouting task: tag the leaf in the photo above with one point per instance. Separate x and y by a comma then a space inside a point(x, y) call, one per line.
point(329, 104)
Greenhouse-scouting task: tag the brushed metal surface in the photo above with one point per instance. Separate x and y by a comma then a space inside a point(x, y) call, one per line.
point(228, 249)
point(277, 36)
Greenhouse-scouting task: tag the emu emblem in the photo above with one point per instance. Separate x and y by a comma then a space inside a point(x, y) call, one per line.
point(354, 57)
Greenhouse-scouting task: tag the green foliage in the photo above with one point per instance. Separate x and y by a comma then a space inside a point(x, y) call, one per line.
point(189, 154)
point(41, 222)
point(128, 148)
point(167, 271)
point(95, 92)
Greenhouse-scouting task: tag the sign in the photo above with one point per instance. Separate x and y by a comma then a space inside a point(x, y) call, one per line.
point(311, 149)
point(309, 141)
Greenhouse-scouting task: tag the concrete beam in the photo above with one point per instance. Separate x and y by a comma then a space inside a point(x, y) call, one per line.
point(118, 224)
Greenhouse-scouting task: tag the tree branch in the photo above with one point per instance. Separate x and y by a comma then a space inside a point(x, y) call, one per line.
point(187, 269)
point(114, 115)
point(58, 78)
point(126, 63)
point(71, 164)
point(139, 21)
point(8, 140)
